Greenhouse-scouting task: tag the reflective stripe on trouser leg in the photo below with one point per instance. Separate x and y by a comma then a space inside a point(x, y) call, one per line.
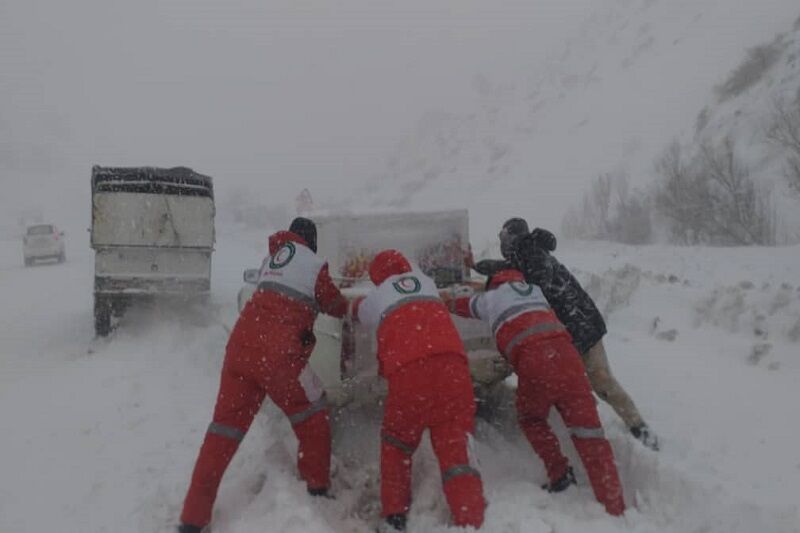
point(238, 400)
point(314, 449)
point(397, 443)
point(459, 470)
point(215, 455)
point(461, 480)
point(229, 432)
point(587, 433)
point(312, 429)
point(395, 477)
point(319, 405)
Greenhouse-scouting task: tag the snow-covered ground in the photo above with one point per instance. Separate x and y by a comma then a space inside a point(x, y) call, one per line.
point(102, 435)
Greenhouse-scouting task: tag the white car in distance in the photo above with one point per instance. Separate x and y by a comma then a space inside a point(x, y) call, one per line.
point(43, 241)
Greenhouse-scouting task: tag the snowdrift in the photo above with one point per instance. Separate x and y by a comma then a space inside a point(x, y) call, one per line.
point(101, 436)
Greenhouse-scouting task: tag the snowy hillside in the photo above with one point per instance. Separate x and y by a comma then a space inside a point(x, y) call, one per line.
point(762, 91)
point(101, 436)
point(609, 100)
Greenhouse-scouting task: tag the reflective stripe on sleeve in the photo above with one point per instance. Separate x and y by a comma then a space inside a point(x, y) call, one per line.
point(228, 432)
point(397, 443)
point(289, 292)
point(459, 470)
point(587, 433)
point(533, 330)
point(320, 405)
point(473, 306)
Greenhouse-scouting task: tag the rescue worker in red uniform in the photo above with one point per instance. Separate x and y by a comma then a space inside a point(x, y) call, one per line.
point(421, 356)
point(267, 355)
point(550, 373)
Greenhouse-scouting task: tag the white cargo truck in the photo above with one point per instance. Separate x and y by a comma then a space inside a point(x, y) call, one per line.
point(152, 233)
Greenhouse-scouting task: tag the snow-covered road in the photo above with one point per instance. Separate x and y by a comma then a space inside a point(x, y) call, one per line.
point(101, 435)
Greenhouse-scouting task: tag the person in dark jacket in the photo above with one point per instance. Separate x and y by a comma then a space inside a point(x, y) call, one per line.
point(530, 252)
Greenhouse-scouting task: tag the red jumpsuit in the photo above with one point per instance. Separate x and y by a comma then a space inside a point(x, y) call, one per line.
point(267, 355)
point(422, 358)
point(550, 373)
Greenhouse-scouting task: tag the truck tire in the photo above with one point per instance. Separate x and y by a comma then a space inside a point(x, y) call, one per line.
point(118, 305)
point(28, 261)
point(62, 257)
point(102, 315)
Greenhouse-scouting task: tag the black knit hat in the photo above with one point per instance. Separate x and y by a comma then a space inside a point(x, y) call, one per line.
point(307, 230)
point(513, 229)
point(516, 226)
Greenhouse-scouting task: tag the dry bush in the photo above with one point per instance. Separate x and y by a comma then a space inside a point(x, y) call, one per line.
point(610, 211)
point(741, 212)
point(712, 198)
point(785, 131)
point(681, 196)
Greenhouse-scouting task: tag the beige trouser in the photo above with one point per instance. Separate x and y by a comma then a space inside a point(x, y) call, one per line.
point(606, 386)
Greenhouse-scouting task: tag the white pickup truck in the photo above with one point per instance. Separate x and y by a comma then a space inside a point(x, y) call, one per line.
point(152, 233)
point(344, 357)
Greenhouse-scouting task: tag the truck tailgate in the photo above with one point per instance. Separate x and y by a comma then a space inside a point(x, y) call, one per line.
point(134, 219)
point(132, 269)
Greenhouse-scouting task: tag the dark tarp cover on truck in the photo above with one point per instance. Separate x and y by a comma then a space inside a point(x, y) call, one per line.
point(181, 181)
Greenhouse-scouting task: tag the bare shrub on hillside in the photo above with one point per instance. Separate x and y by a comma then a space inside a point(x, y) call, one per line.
point(589, 219)
point(712, 198)
point(681, 196)
point(741, 212)
point(631, 223)
point(610, 211)
point(785, 132)
point(757, 62)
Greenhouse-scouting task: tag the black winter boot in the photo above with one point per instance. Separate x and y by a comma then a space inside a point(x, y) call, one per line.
point(188, 528)
point(562, 483)
point(322, 493)
point(646, 436)
point(392, 524)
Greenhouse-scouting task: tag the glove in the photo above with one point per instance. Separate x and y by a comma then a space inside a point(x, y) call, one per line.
point(307, 338)
point(447, 298)
point(488, 267)
point(544, 239)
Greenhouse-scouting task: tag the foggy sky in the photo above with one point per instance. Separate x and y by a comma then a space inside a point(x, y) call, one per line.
point(270, 95)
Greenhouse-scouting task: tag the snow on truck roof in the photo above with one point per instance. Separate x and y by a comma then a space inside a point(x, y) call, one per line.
point(181, 181)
